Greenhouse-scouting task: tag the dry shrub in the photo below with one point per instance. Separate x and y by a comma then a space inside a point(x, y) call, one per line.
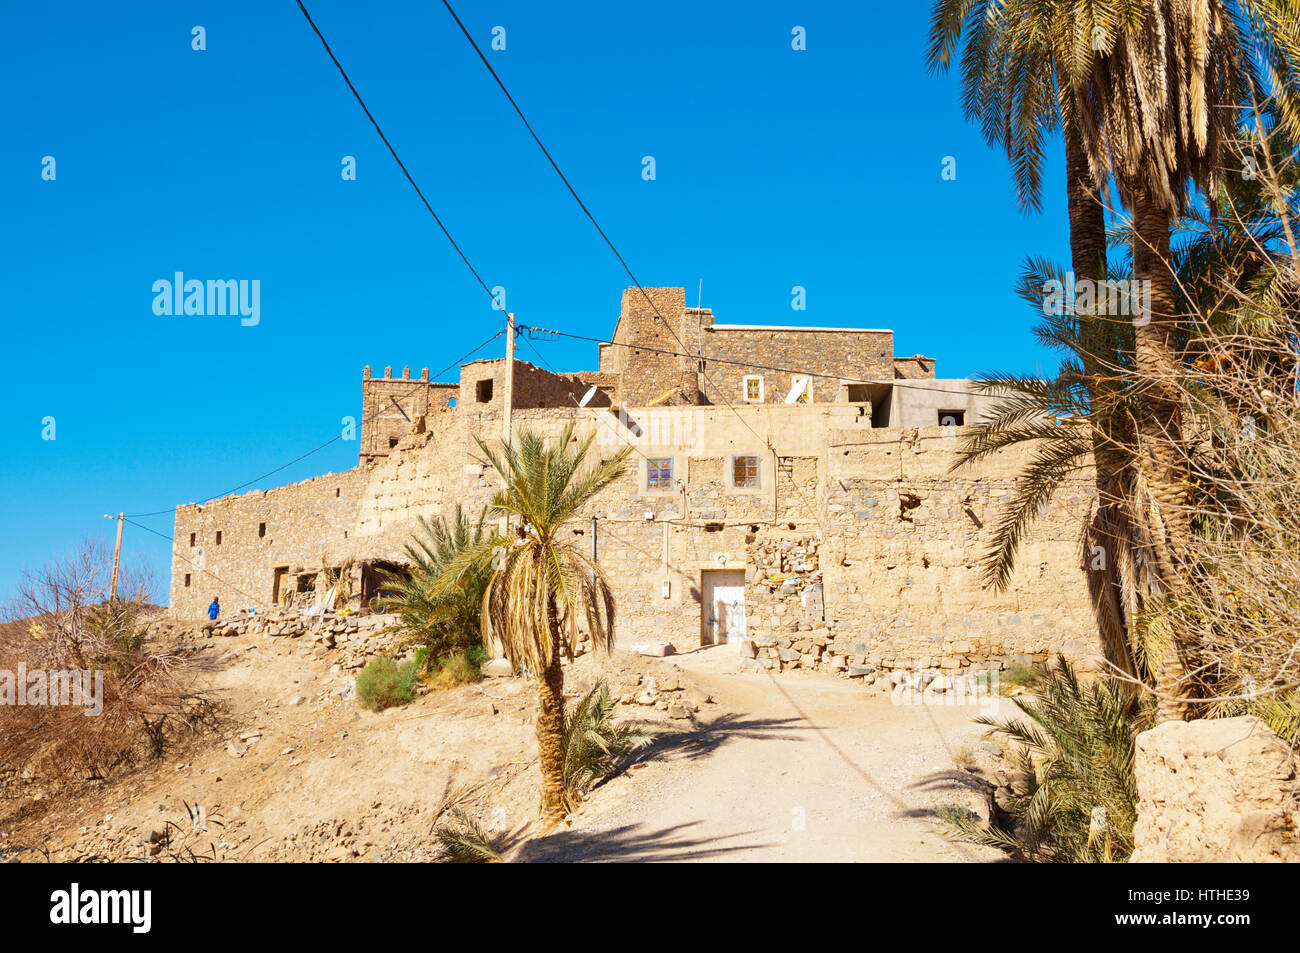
point(61, 621)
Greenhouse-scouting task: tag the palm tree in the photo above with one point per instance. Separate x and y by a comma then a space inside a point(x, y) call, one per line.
point(1017, 69)
point(542, 588)
point(1147, 92)
point(442, 618)
point(1162, 98)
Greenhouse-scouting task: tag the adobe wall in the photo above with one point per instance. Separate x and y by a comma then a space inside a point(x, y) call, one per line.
point(660, 323)
point(307, 524)
point(862, 355)
point(867, 526)
point(390, 405)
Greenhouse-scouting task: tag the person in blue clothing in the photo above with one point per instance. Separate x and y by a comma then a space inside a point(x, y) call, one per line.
point(214, 610)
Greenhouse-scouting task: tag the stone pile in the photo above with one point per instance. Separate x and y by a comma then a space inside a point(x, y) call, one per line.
point(952, 662)
point(666, 692)
point(355, 639)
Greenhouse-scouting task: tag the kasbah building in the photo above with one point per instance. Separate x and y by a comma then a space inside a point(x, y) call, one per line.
point(815, 517)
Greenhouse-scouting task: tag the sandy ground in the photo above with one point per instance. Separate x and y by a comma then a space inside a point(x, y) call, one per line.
point(799, 767)
point(802, 767)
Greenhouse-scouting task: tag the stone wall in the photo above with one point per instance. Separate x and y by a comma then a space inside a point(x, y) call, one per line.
point(866, 525)
point(1215, 790)
point(389, 407)
point(832, 353)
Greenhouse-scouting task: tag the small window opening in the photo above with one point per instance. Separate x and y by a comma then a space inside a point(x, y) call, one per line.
point(483, 391)
point(187, 580)
point(952, 418)
point(261, 530)
point(192, 539)
point(392, 442)
point(714, 527)
point(218, 537)
point(659, 473)
point(744, 470)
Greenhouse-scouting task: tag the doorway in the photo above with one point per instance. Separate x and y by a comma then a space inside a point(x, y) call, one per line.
point(722, 612)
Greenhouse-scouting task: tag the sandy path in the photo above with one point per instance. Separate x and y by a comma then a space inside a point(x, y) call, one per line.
point(801, 767)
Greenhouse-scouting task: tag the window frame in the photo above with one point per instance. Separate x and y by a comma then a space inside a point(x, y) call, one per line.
point(758, 471)
point(744, 389)
point(650, 467)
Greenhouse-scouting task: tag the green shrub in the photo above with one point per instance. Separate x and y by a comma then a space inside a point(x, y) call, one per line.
point(467, 843)
point(593, 743)
point(1074, 797)
point(459, 668)
point(384, 683)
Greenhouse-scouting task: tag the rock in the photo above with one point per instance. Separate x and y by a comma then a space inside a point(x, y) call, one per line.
point(498, 668)
point(748, 649)
point(648, 693)
point(857, 671)
point(1221, 790)
point(677, 711)
point(655, 649)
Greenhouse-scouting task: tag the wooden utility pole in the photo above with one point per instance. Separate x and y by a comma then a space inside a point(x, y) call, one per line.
point(117, 558)
point(509, 391)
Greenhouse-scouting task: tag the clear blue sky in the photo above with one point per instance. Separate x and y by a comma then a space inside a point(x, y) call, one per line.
point(775, 168)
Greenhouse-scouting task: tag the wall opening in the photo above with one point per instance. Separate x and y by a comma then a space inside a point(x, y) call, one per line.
point(952, 418)
point(187, 580)
point(218, 537)
point(261, 530)
point(192, 539)
point(279, 591)
point(483, 391)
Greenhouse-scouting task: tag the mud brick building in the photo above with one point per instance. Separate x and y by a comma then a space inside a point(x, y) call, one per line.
point(784, 480)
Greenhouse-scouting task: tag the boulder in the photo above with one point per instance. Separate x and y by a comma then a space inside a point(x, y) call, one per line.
point(1215, 790)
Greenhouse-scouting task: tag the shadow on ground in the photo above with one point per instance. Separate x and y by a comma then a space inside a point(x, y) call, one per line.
point(632, 843)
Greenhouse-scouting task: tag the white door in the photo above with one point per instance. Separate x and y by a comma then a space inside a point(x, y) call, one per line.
point(724, 606)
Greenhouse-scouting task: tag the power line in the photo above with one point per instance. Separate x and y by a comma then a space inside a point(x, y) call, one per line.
point(400, 164)
point(332, 440)
point(622, 261)
point(892, 382)
point(201, 569)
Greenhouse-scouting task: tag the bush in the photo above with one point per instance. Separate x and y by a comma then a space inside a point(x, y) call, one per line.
point(384, 683)
point(459, 668)
point(1074, 798)
point(593, 743)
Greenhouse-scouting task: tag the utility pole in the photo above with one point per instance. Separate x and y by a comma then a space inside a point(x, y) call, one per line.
point(117, 557)
point(509, 395)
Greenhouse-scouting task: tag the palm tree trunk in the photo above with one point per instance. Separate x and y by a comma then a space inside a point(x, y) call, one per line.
point(550, 727)
point(1088, 261)
point(1164, 514)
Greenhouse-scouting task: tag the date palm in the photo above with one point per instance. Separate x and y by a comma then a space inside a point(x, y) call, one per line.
point(543, 590)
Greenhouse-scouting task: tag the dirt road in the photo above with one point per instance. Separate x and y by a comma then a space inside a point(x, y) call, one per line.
point(796, 768)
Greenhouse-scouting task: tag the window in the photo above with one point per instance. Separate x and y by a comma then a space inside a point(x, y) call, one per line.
point(187, 580)
point(451, 402)
point(192, 539)
point(261, 530)
point(752, 388)
point(952, 418)
point(659, 473)
point(218, 537)
point(392, 442)
point(483, 391)
point(744, 470)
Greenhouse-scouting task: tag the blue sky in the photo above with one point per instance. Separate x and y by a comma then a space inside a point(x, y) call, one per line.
point(774, 168)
